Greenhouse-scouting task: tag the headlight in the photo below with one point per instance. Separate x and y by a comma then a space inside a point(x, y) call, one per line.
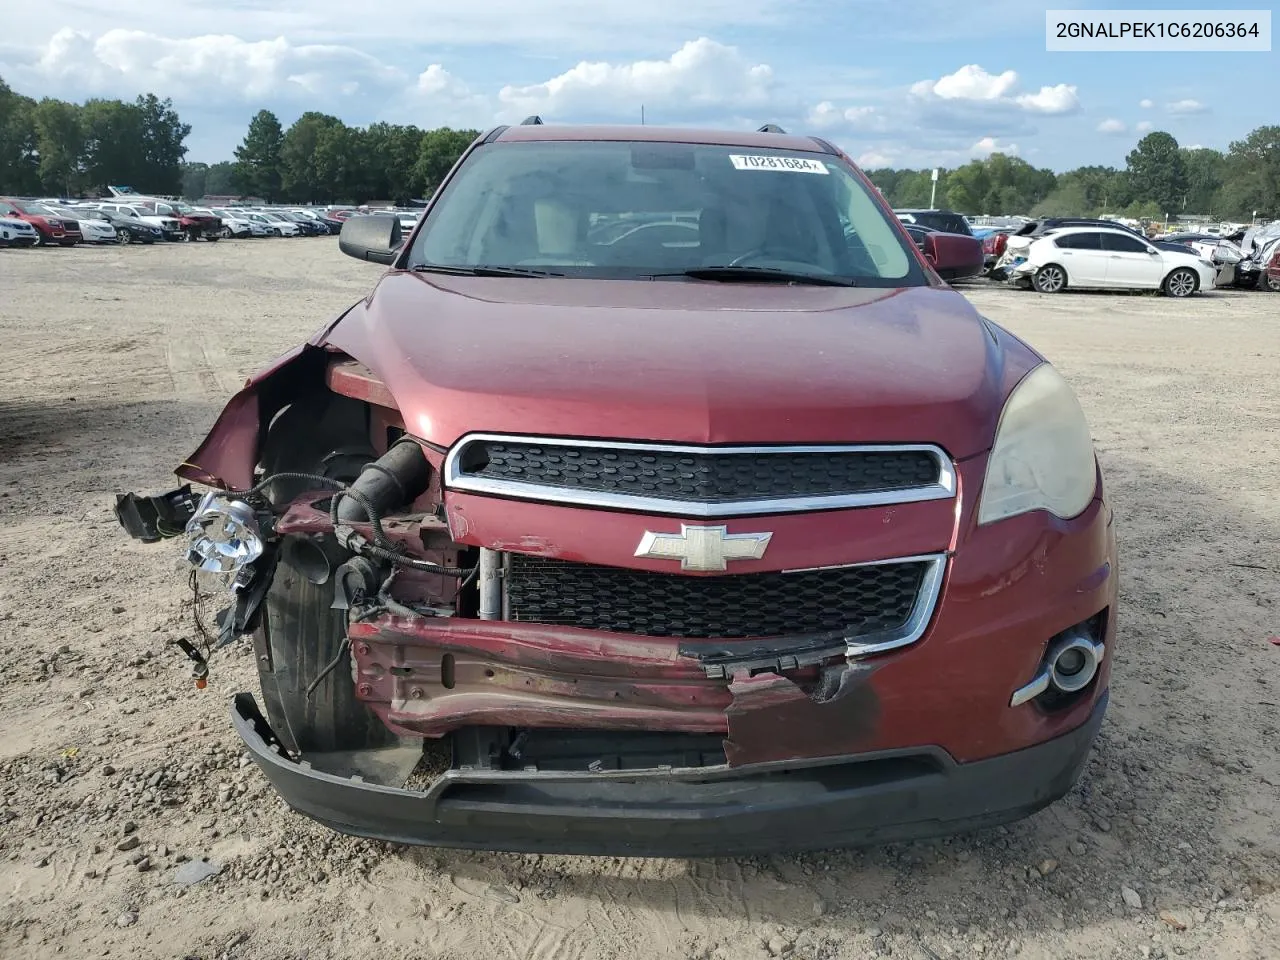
point(1042, 458)
point(223, 535)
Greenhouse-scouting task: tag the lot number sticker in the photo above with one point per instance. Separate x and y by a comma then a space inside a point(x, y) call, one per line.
point(784, 164)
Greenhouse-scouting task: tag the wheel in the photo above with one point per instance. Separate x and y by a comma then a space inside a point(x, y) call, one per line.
point(124, 237)
point(1182, 282)
point(212, 237)
point(1266, 282)
point(1050, 278)
point(226, 233)
point(299, 634)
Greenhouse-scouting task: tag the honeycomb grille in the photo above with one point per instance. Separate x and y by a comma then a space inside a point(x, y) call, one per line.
point(701, 477)
point(856, 600)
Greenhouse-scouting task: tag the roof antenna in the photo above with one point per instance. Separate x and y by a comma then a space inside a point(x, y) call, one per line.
point(534, 120)
point(771, 128)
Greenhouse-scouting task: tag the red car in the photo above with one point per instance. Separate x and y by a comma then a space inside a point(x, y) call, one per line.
point(660, 499)
point(1273, 272)
point(51, 227)
point(955, 256)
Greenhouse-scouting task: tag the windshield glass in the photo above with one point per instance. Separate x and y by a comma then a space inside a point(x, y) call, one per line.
point(617, 210)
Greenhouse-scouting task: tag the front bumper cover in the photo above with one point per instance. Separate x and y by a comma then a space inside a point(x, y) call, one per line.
point(872, 798)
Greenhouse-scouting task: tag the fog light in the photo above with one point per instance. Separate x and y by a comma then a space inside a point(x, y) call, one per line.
point(1069, 667)
point(224, 535)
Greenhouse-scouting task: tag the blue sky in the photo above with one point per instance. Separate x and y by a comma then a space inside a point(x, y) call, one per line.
point(908, 83)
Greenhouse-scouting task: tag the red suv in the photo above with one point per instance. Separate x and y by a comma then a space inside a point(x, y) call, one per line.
point(51, 227)
point(659, 499)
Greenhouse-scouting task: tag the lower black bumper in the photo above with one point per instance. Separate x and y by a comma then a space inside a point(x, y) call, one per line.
point(719, 811)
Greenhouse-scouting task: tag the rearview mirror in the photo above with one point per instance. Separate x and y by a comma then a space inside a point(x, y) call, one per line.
point(374, 237)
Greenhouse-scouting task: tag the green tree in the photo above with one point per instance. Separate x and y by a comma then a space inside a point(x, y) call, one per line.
point(220, 180)
point(162, 144)
point(307, 173)
point(1251, 180)
point(1069, 199)
point(19, 157)
point(195, 177)
point(258, 169)
point(113, 134)
point(438, 151)
point(1205, 169)
point(60, 143)
point(1157, 172)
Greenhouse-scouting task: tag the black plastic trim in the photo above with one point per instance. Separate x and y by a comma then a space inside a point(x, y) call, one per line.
point(716, 811)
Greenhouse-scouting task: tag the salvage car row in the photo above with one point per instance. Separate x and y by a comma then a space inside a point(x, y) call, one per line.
point(131, 218)
point(1055, 254)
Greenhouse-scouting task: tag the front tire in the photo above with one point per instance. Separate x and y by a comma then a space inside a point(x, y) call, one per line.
point(1050, 278)
point(1181, 283)
point(299, 634)
point(124, 238)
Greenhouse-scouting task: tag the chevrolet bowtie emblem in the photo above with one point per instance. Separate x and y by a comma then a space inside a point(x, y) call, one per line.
point(703, 548)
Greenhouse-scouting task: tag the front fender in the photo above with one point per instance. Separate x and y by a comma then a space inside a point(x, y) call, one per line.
point(229, 452)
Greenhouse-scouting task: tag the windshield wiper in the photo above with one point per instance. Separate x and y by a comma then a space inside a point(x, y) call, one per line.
point(482, 271)
point(729, 274)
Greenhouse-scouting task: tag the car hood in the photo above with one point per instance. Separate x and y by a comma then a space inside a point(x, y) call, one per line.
point(683, 361)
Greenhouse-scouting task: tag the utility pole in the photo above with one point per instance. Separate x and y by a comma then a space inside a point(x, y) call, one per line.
point(642, 114)
point(933, 192)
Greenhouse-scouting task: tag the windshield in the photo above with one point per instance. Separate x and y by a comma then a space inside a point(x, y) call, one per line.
point(619, 210)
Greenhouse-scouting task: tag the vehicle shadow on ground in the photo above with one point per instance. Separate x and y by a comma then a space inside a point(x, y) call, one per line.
point(1169, 813)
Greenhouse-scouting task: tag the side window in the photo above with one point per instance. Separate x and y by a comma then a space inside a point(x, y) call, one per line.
point(1079, 241)
point(1119, 243)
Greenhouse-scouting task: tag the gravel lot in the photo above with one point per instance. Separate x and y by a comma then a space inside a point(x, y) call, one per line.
point(117, 778)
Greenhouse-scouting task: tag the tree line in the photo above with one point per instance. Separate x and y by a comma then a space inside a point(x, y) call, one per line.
point(52, 147)
point(320, 159)
point(1160, 178)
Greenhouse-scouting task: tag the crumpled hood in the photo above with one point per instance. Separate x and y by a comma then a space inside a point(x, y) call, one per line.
point(693, 362)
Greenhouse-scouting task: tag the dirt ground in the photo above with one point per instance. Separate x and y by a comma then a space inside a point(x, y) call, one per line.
point(115, 774)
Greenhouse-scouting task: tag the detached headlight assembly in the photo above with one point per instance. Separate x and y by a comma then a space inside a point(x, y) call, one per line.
point(1042, 458)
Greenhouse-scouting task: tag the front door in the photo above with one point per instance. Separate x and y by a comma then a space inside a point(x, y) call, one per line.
point(1132, 263)
point(1081, 255)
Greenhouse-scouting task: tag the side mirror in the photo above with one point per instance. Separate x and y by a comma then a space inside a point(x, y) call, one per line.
point(373, 237)
point(1153, 252)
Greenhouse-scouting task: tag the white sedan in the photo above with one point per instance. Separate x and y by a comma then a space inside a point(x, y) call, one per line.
point(1104, 259)
point(94, 229)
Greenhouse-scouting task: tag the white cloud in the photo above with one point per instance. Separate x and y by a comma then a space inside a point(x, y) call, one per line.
point(989, 145)
point(974, 85)
point(1112, 125)
point(702, 74)
point(567, 27)
point(1146, 126)
point(1146, 104)
point(210, 66)
point(827, 115)
point(875, 159)
point(970, 82)
point(1186, 107)
point(1054, 100)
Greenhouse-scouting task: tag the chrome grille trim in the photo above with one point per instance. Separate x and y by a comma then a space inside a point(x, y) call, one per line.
point(944, 488)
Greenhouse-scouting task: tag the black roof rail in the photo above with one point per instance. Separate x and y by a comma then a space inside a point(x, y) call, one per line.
point(494, 134)
point(826, 146)
point(771, 128)
point(534, 120)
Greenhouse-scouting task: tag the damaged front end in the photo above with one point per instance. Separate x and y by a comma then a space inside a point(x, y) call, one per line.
point(564, 690)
